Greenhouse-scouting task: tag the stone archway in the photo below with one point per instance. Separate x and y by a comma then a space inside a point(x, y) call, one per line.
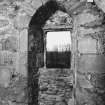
point(82, 25)
point(14, 20)
point(36, 45)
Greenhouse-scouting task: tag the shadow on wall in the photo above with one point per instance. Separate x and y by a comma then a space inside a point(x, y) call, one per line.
point(36, 45)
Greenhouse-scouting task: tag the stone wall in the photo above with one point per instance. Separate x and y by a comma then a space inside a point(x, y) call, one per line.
point(90, 47)
point(14, 19)
point(15, 16)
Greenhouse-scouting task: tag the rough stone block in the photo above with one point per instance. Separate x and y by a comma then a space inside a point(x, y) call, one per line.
point(40, 60)
point(100, 4)
point(92, 63)
point(89, 93)
point(21, 21)
point(83, 81)
point(56, 85)
point(85, 31)
point(10, 44)
point(5, 75)
point(59, 18)
point(27, 8)
point(5, 23)
point(23, 66)
point(86, 18)
point(23, 40)
point(36, 3)
point(87, 45)
point(3, 10)
point(7, 58)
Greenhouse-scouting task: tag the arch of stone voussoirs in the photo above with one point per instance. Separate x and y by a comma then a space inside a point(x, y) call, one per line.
point(45, 11)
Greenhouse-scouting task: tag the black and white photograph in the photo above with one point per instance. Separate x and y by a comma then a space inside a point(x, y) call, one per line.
point(52, 52)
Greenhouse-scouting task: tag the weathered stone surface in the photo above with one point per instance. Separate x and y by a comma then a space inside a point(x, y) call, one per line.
point(14, 16)
point(40, 60)
point(95, 92)
point(5, 75)
point(36, 4)
point(23, 40)
point(100, 4)
point(86, 18)
point(16, 92)
point(55, 86)
point(7, 58)
point(74, 6)
point(21, 21)
point(59, 18)
point(90, 66)
point(92, 63)
point(10, 44)
point(85, 31)
point(3, 10)
point(89, 24)
point(22, 69)
point(83, 81)
point(44, 1)
point(26, 7)
point(3, 23)
point(87, 45)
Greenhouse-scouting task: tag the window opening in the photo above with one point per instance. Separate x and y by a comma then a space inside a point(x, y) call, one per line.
point(58, 49)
